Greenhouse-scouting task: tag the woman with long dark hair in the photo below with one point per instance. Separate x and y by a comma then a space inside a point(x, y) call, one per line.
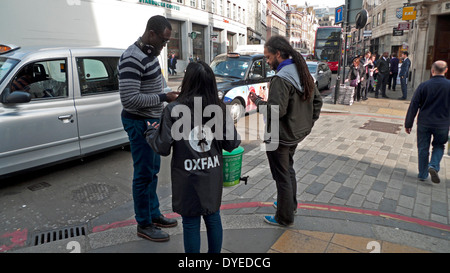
point(295, 99)
point(195, 128)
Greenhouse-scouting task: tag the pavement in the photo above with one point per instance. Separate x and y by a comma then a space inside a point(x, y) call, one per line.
point(358, 192)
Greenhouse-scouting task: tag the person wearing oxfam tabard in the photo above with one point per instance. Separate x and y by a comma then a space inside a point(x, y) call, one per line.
point(142, 97)
point(292, 91)
point(403, 74)
point(432, 100)
point(197, 161)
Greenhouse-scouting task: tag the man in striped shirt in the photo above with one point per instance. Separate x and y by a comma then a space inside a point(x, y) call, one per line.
point(141, 92)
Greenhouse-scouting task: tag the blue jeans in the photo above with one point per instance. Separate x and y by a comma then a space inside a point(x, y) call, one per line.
point(146, 165)
point(440, 137)
point(404, 87)
point(191, 233)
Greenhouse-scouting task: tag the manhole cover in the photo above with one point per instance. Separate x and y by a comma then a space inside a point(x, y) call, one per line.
point(93, 193)
point(384, 127)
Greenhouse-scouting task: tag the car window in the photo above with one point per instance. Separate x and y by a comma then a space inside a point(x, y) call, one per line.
point(269, 71)
point(230, 67)
point(43, 79)
point(98, 74)
point(256, 72)
point(312, 68)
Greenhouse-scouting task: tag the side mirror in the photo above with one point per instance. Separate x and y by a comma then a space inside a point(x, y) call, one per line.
point(18, 97)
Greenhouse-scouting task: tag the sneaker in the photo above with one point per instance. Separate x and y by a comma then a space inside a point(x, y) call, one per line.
point(271, 220)
point(434, 175)
point(275, 206)
point(152, 233)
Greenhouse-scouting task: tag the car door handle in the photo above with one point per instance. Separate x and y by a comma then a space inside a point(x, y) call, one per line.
point(66, 118)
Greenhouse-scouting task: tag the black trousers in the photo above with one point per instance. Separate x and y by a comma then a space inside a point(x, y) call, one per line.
point(281, 163)
point(381, 84)
point(392, 80)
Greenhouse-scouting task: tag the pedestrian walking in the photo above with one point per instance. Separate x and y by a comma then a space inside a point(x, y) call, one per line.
point(383, 75)
point(403, 74)
point(172, 65)
point(393, 73)
point(196, 168)
point(293, 91)
point(354, 77)
point(432, 100)
point(142, 97)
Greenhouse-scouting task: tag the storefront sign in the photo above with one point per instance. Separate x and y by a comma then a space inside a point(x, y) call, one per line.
point(409, 13)
point(396, 32)
point(403, 26)
point(160, 4)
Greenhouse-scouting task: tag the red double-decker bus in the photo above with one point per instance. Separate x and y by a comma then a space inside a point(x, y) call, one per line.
point(326, 46)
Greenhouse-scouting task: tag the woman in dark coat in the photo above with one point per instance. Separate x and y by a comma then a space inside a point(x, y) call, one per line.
point(186, 128)
point(355, 76)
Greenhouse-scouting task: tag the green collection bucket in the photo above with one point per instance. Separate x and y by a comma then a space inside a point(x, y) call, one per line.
point(232, 164)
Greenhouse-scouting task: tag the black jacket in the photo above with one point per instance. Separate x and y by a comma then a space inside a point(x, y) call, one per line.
point(383, 66)
point(196, 167)
point(296, 117)
point(432, 97)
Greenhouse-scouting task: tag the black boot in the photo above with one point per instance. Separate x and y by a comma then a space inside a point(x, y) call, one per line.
point(152, 233)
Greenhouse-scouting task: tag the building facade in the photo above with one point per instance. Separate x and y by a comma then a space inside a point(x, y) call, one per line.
point(218, 25)
point(276, 18)
point(301, 28)
point(429, 40)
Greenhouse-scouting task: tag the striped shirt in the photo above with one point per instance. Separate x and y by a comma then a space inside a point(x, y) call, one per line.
point(140, 84)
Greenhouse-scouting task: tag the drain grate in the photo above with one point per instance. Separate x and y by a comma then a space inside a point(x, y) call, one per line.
point(58, 234)
point(385, 127)
point(39, 186)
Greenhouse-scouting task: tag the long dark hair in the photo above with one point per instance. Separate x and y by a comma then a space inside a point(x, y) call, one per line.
point(199, 81)
point(279, 43)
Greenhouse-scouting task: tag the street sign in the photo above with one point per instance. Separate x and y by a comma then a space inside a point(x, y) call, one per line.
point(396, 32)
point(409, 13)
point(339, 15)
point(361, 19)
point(367, 33)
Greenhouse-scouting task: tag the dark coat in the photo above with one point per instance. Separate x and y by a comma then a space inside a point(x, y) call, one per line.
point(383, 66)
point(432, 100)
point(404, 69)
point(172, 63)
point(196, 167)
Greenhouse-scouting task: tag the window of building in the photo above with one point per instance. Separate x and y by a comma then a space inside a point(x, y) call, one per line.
point(378, 19)
point(228, 9)
point(175, 45)
point(383, 18)
point(213, 6)
point(203, 3)
point(198, 42)
point(193, 4)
